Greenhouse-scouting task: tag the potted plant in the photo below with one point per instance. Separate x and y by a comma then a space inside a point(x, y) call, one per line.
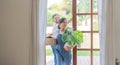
point(72, 38)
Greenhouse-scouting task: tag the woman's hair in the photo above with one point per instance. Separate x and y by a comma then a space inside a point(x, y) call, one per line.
point(61, 21)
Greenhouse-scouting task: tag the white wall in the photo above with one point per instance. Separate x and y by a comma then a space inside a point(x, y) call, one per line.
point(15, 32)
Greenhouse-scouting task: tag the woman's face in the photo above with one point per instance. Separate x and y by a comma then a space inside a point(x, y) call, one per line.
point(63, 24)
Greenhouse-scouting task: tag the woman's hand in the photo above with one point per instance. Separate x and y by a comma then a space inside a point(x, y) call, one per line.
point(67, 48)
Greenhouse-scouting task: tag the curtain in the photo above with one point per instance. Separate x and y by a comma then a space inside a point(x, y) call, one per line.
point(42, 17)
point(106, 30)
point(102, 29)
point(39, 17)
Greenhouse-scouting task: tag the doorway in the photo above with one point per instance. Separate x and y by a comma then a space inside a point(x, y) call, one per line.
point(84, 14)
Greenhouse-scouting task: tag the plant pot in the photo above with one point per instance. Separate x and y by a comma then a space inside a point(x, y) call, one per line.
point(68, 47)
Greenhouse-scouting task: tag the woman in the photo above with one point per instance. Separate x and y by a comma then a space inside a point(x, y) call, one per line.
point(63, 54)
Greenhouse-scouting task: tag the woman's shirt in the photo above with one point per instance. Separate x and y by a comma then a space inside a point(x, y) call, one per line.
point(61, 32)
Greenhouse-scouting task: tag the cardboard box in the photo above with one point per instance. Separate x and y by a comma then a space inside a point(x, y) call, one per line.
point(50, 41)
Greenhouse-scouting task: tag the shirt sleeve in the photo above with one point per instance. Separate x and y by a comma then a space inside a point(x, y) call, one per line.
point(55, 30)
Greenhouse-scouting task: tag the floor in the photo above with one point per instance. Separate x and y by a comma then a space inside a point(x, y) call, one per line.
point(81, 60)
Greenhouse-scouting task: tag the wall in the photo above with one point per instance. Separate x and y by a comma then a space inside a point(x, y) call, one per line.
point(15, 32)
point(116, 22)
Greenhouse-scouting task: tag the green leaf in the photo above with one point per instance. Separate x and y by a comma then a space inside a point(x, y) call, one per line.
point(72, 37)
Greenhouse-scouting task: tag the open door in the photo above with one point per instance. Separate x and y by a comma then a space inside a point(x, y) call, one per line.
point(85, 19)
